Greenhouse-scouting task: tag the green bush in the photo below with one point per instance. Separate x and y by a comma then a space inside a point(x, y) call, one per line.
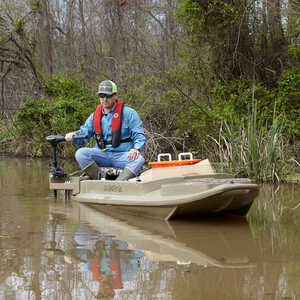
point(288, 98)
point(64, 108)
point(226, 102)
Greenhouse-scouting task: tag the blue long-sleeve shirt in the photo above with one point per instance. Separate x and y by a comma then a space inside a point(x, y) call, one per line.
point(131, 128)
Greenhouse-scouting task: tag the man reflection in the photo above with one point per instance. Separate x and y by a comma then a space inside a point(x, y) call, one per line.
point(112, 264)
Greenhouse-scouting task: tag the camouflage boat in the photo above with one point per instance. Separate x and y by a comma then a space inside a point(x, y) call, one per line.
point(178, 189)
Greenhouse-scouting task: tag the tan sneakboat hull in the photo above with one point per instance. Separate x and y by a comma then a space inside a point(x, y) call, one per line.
point(170, 198)
point(163, 196)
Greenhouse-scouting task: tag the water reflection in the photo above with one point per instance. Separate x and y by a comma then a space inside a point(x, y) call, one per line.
point(54, 250)
point(216, 242)
point(275, 216)
point(135, 258)
point(195, 254)
point(112, 264)
point(276, 203)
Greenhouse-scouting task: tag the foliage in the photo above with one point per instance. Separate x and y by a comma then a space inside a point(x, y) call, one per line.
point(253, 149)
point(206, 15)
point(20, 23)
point(294, 53)
point(234, 39)
point(288, 100)
point(189, 114)
point(3, 132)
point(34, 4)
point(157, 106)
point(293, 178)
point(186, 77)
point(218, 38)
point(65, 108)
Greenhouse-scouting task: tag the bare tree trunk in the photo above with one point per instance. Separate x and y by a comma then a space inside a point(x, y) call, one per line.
point(293, 15)
point(4, 73)
point(69, 38)
point(264, 33)
point(84, 49)
point(172, 29)
point(274, 23)
point(45, 38)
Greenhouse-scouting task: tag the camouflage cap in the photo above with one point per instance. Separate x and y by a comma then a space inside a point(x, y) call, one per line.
point(107, 87)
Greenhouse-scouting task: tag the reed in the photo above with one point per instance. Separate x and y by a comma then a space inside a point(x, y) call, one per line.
point(253, 148)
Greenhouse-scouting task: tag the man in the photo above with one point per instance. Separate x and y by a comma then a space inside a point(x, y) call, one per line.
point(119, 136)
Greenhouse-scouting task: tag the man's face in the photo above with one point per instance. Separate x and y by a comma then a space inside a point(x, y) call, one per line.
point(108, 102)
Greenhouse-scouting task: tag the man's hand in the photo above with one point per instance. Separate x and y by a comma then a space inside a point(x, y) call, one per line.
point(69, 136)
point(133, 154)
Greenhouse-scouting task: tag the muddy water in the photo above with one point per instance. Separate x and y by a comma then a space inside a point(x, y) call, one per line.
point(54, 250)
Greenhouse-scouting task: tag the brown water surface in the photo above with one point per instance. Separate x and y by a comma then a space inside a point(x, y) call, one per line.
point(57, 250)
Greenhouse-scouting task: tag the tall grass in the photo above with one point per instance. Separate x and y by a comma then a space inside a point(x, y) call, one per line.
point(253, 148)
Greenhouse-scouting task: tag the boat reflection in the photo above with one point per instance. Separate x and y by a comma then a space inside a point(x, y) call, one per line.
point(134, 258)
point(218, 242)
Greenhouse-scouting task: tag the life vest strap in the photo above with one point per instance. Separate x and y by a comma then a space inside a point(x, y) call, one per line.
point(121, 141)
point(102, 143)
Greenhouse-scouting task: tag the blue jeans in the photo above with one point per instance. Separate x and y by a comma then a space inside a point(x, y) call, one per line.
point(108, 159)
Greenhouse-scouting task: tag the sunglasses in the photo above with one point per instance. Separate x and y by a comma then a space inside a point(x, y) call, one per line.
point(105, 96)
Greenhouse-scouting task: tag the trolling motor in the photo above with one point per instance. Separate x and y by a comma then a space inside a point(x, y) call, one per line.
point(55, 171)
point(54, 140)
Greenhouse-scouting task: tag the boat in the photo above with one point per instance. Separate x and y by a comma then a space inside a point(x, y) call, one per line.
point(178, 189)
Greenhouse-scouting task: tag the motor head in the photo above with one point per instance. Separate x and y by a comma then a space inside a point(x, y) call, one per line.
point(55, 139)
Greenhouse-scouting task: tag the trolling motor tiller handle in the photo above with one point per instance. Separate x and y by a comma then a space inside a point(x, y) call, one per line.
point(54, 140)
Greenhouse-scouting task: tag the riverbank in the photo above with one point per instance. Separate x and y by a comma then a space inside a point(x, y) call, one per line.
point(289, 178)
point(245, 130)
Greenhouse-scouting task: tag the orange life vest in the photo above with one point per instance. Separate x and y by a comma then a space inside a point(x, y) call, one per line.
point(116, 126)
point(115, 272)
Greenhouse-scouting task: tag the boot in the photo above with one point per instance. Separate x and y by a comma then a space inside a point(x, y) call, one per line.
point(126, 174)
point(92, 170)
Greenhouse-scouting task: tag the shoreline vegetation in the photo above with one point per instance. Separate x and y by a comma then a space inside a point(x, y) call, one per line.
point(219, 79)
point(254, 144)
point(7, 149)
point(257, 143)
